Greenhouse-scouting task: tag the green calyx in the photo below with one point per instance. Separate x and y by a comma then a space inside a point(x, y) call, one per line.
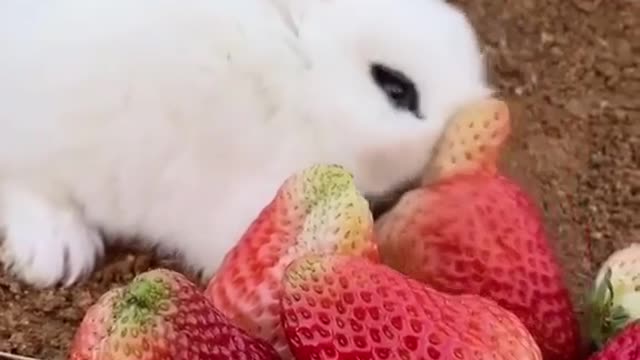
point(141, 301)
point(606, 318)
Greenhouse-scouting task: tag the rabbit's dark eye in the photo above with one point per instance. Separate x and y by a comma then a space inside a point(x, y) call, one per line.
point(400, 90)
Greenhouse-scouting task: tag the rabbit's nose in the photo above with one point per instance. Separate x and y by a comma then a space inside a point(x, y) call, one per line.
point(380, 204)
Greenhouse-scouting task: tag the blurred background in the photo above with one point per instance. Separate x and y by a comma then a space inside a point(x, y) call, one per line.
point(570, 70)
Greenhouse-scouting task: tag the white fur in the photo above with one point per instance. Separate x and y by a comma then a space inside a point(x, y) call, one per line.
point(177, 120)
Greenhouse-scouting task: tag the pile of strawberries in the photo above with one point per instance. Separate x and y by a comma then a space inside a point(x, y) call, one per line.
point(460, 268)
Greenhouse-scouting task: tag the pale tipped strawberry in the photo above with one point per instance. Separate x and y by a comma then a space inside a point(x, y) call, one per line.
point(160, 315)
point(625, 345)
point(341, 307)
point(471, 144)
point(317, 210)
point(615, 299)
point(469, 229)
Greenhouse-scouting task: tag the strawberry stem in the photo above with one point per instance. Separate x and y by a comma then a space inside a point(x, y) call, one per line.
point(141, 301)
point(146, 294)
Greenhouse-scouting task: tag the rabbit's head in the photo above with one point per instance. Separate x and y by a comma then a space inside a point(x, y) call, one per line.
point(384, 77)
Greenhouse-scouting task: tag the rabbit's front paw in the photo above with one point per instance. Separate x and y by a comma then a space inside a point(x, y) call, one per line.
point(45, 244)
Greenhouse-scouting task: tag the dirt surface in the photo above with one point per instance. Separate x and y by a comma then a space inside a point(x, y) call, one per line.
point(571, 71)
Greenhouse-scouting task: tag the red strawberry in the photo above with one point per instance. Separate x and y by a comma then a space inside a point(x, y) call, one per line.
point(624, 346)
point(161, 315)
point(317, 210)
point(471, 230)
point(341, 307)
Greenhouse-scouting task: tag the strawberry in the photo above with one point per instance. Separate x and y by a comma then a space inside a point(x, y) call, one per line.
point(317, 210)
point(615, 300)
point(469, 229)
point(343, 307)
point(161, 315)
point(623, 346)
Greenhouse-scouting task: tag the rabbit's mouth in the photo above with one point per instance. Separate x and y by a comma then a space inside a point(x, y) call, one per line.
point(380, 204)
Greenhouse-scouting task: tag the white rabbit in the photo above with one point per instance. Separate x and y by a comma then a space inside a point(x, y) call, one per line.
point(175, 121)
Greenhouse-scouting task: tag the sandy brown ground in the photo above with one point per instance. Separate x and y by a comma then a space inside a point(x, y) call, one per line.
point(571, 70)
